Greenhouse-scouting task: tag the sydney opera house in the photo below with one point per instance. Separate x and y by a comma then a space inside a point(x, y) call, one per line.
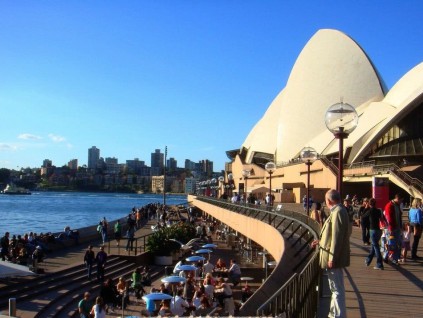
point(387, 143)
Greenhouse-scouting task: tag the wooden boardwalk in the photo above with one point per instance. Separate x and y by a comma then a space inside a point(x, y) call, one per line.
point(396, 291)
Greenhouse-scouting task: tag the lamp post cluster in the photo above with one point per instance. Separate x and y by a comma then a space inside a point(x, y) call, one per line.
point(208, 187)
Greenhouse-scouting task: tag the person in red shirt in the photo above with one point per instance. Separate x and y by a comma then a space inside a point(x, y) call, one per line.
point(393, 215)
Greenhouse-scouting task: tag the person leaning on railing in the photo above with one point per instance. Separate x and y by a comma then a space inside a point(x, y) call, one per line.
point(334, 247)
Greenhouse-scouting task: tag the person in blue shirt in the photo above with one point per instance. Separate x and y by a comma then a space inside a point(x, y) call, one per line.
point(415, 219)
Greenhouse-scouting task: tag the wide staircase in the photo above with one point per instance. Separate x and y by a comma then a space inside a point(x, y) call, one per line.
point(57, 294)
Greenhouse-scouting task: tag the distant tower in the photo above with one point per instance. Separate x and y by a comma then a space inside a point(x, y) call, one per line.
point(157, 163)
point(93, 157)
point(171, 165)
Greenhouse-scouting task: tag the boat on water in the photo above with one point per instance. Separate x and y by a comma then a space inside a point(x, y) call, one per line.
point(13, 189)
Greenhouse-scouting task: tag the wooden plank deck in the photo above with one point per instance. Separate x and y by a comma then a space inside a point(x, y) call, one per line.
point(396, 291)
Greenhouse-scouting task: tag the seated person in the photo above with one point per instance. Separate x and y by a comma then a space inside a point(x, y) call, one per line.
point(220, 264)
point(145, 276)
point(72, 234)
point(234, 272)
point(223, 294)
point(137, 284)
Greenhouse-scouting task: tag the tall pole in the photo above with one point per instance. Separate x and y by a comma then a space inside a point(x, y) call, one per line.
point(246, 178)
point(308, 163)
point(270, 189)
point(341, 135)
point(164, 177)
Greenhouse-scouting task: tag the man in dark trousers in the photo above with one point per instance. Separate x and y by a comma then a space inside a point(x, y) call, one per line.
point(89, 259)
point(101, 259)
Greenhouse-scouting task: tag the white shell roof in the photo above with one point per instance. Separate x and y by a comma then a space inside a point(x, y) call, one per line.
point(330, 67)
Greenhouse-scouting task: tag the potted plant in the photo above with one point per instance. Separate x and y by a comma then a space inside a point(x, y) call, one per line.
point(161, 246)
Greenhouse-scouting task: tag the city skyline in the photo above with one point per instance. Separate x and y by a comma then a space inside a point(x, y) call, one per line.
point(94, 154)
point(197, 77)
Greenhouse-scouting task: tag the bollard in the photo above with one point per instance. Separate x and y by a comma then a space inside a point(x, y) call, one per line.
point(12, 307)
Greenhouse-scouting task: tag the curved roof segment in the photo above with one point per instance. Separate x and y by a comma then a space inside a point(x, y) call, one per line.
point(330, 67)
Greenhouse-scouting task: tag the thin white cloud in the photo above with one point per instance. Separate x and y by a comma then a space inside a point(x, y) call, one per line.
point(7, 147)
point(29, 137)
point(57, 138)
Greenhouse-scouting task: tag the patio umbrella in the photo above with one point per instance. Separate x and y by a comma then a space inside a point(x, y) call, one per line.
point(186, 268)
point(210, 245)
point(12, 270)
point(173, 279)
point(203, 251)
point(195, 258)
point(156, 296)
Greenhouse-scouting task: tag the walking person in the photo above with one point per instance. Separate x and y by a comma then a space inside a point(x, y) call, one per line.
point(4, 244)
point(334, 246)
point(375, 218)
point(415, 219)
point(101, 260)
point(104, 229)
point(117, 232)
point(130, 222)
point(89, 259)
point(363, 214)
point(393, 216)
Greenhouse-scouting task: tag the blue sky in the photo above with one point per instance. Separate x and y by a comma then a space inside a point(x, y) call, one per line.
point(133, 76)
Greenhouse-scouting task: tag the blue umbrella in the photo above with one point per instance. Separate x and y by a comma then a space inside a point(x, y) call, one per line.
point(203, 251)
point(195, 258)
point(156, 296)
point(186, 268)
point(209, 245)
point(173, 279)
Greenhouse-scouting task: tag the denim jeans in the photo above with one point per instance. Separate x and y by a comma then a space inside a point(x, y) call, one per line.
point(375, 250)
point(338, 307)
point(398, 239)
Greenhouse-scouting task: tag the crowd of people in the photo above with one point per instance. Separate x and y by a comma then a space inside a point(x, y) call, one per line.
point(27, 249)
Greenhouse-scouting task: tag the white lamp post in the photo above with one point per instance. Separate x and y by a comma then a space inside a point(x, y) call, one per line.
point(246, 174)
point(341, 119)
point(308, 156)
point(222, 184)
point(231, 182)
point(270, 167)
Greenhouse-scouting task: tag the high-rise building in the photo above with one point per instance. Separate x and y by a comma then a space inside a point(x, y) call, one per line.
point(73, 164)
point(47, 163)
point(93, 157)
point(157, 163)
point(112, 165)
point(171, 165)
point(206, 167)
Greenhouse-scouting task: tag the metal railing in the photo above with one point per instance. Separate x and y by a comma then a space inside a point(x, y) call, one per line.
point(138, 245)
point(385, 169)
point(298, 297)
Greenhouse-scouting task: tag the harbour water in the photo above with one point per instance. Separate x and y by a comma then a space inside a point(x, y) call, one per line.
point(52, 211)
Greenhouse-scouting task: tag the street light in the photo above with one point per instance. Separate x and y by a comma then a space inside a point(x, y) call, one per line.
point(246, 174)
point(341, 119)
point(231, 182)
point(222, 184)
point(270, 167)
point(308, 156)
